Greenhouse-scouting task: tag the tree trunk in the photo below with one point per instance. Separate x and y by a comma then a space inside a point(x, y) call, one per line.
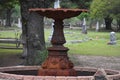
point(8, 17)
point(32, 29)
point(108, 22)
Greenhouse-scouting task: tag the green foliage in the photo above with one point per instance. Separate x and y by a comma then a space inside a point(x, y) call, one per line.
point(40, 57)
point(71, 3)
point(72, 21)
point(83, 15)
point(8, 3)
point(7, 8)
point(97, 8)
point(82, 3)
point(68, 4)
point(115, 9)
point(16, 12)
point(103, 8)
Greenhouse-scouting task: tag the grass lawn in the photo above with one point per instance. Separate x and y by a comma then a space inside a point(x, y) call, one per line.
point(93, 43)
point(11, 33)
point(9, 51)
point(95, 47)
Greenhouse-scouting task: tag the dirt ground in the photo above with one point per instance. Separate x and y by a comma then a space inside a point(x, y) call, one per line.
point(78, 60)
point(96, 61)
point(10, 60)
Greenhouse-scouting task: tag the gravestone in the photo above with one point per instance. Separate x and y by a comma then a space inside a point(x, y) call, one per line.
point(4, 22)
point(57, 4)
point(102, 25)
point(19, 23)
point(84, 27)
point(112, 38)
point(50, 37)
point(70, 26)
point(97, 26)
point(13, 23)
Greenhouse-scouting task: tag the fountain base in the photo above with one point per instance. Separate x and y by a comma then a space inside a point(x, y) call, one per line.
point(30, 73)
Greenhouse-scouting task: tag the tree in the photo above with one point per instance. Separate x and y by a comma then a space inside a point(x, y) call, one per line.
point(67, 4)
point(115, 12)
point(16, 13)
point(106, 9)
point(32, 28)
point(7, 7)
point(84, 4)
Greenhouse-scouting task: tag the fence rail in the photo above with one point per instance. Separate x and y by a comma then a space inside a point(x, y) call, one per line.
point(10, 41)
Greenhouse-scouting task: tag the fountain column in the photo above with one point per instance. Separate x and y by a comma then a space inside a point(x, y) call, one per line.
point(57, 63)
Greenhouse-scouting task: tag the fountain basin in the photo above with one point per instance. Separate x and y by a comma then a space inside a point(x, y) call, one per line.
point(30, 73)
point(59, 13)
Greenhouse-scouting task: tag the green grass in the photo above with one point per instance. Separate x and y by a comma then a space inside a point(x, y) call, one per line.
point(9, 51)
point(9, 34)
point(6, 52)
point(94, 47)
point(96, 43)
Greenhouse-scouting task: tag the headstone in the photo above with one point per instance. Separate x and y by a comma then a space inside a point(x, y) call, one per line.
point(112, 38)
point(84, 27)
point(4, 22)
point(13, 22)
point(76, 41)
point(70, 26)
point(52, 29)
point(97, 26)
point(57, 4)
point(102, 25)
point(19, 23)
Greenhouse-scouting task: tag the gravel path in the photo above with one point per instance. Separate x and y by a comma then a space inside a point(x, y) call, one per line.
point(78, 60)
point(96, 61)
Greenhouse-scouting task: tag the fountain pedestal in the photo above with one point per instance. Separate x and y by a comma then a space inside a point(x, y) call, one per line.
point(57, 63)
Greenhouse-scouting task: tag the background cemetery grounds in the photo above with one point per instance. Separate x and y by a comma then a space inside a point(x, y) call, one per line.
point(85, 49)
point(93, 43)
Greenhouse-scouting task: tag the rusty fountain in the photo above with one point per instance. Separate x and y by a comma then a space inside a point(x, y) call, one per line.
point(57, 66)
point(57, 63)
